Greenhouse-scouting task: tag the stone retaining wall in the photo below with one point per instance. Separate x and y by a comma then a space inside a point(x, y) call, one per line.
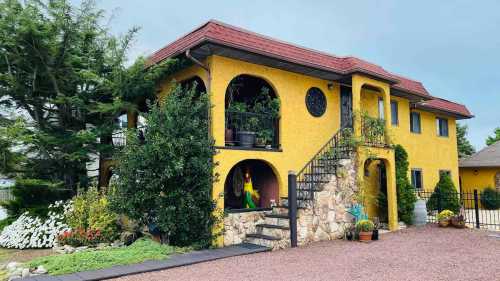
point(328, 217)
point(237, 225)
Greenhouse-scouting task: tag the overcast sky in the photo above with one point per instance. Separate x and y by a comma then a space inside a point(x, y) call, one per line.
point(453, 47)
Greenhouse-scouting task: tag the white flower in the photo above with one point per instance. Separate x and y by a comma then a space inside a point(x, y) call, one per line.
point(32, 232)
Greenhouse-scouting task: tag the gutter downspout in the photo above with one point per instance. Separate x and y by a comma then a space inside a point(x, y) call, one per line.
point(208, 86)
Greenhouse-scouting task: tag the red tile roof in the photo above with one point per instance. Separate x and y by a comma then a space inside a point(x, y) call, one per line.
point(447, 106)
point(227, 35)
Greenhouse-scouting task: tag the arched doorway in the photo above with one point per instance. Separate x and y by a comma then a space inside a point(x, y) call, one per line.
point(375, 184)
point(264, 183)
point(252, 110)
point(195, 80)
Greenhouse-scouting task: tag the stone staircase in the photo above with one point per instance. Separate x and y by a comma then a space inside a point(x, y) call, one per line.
point(320, 171)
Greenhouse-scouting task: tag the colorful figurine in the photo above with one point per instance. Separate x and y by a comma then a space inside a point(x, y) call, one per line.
point(251, 195)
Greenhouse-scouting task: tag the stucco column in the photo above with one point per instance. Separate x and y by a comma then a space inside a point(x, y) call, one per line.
point(387, 111)
point(392, 200)
point(357, 83)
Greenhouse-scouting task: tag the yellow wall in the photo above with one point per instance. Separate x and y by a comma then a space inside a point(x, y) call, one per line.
point(426, 151)
point(302, 135)
point(478, 178)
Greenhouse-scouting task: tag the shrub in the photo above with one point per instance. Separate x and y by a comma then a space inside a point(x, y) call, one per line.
point(490, 199)
point(34, 196)
point(166, 180)
point(405, 191)
point(365, 226)
point(447, 195)
point(36, 232)
point(91, 213)
point(445, 215)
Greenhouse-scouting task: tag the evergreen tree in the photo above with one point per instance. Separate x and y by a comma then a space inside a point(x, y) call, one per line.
point(493, 139)
point(165, 178)
point(66, 73)
point(405, 191)
point(445, 196)
point(464, 147)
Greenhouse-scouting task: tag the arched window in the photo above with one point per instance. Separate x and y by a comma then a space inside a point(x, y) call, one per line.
point(252, 113)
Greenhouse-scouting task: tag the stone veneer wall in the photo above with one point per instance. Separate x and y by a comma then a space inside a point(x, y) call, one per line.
point(237, 225)
point(327, 218)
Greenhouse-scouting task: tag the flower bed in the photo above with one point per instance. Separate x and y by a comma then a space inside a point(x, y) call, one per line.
point(36, 232)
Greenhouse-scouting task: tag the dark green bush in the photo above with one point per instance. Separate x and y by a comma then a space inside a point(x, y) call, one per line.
point(447, 195)
point(490, 199)
point(405, 191)
point(165, 181)
point(34, 196)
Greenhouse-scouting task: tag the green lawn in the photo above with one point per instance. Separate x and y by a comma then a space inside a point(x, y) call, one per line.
point(141, 250)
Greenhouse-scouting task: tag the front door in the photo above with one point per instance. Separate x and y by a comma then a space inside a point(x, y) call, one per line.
point(345, 107)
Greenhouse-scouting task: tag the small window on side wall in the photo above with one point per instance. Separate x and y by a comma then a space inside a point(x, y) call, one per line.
point(415, 126)
point(416, 178)
point(394, 113)
point(442, 127)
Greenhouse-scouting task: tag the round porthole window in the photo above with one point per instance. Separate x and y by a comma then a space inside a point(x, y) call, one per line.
point(315, 102)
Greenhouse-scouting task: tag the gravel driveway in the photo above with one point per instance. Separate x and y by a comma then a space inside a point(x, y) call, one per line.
point(425, 253)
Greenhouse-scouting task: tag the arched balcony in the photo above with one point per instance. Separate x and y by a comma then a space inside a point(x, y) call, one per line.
point(252, 112)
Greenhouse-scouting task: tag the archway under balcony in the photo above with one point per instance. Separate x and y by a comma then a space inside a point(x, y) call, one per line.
point(376, 168)
point(252, 110)
point(264, 184)
point(375, 184)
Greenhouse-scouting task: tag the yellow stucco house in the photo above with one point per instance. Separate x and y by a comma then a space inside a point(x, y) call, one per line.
point(481, 169)
point(323, 104)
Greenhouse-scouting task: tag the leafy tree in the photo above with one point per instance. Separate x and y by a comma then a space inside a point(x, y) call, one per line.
point(165, 178)
point(405, 191)
point(445, 196)
point(65, 72)
point(465, 148)
point(493, 139)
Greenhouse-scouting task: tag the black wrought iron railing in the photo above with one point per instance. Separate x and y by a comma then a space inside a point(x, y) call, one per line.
point(373, 131)
point(323, 164)
point(252, 130)
point(479, 209)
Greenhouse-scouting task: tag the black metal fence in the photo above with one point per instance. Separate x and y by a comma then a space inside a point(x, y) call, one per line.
point(373, 131)
point(264, 126)
point(478, 208)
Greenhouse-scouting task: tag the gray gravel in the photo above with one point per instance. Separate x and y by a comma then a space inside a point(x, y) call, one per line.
point(425, 253)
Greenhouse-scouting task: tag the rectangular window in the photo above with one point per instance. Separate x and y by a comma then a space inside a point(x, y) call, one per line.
point(394, 113)
point(444, 172)
point(415, 122)
point(442, 127)
point(381, 108)
point(416, 178)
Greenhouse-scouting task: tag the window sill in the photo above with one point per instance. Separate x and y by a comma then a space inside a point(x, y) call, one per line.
point(249, 148)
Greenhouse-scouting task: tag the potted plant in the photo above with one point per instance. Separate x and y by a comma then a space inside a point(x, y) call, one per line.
point(376, 223)
point(246, 135)
point(365, 230)
point(458, 221)
point(444, 218)
point(264, 138)
point(233, 124)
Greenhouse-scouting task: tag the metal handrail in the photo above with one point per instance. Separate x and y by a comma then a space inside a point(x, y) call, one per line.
point(325, 159)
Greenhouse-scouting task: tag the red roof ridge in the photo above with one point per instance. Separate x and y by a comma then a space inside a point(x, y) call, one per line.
point(217, 32)
point(272, 38)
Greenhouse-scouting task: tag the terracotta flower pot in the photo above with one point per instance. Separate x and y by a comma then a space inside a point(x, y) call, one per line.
point(444, 223)
point(365, 236)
